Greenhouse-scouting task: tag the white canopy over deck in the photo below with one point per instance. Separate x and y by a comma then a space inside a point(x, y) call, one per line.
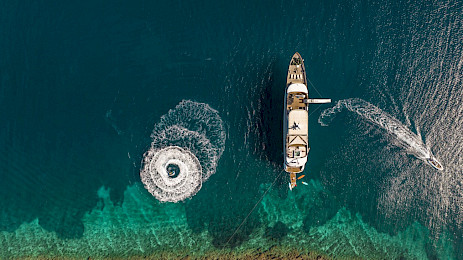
point(298, 122)
point(298, 87)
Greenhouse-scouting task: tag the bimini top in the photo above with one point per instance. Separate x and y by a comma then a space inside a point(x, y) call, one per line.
point(298, 87)
point(298, 122)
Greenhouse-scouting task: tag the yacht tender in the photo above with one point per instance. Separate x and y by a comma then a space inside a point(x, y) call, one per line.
point(296, 118)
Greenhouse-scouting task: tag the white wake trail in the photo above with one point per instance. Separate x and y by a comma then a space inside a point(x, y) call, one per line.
point(405, 138)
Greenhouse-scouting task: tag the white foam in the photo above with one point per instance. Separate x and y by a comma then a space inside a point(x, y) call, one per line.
point(406, 139)
point(157, 181)
point(190, 136)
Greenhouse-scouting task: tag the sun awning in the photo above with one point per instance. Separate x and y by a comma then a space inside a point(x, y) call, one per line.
point(297, 87)
point(298, 122)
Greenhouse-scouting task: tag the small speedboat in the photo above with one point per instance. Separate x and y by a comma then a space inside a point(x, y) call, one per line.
point(434, 163)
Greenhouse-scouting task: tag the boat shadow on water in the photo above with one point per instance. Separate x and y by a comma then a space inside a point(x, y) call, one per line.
point(266, 103)
point(268, 132)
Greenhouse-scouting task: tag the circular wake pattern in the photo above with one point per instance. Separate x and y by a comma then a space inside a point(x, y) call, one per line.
point(171, 174)
point(187, 144)
point(195, 126)
point(193, 141)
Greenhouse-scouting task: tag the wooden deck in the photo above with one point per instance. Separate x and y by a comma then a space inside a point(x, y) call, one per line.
point(292, 177)
point(296, 71)
point(296, 101)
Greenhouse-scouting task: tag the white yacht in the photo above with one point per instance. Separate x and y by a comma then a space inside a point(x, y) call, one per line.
point(296, 118)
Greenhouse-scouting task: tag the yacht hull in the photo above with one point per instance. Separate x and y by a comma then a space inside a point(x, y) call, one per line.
point(296, 119)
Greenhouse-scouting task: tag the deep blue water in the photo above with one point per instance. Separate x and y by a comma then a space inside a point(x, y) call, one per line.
point(83, 84)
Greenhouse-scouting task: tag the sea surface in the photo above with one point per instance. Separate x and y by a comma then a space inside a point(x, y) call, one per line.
point(87, 87)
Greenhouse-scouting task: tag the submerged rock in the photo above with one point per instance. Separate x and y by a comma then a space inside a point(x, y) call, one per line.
point(324, 209)
point(277, 232)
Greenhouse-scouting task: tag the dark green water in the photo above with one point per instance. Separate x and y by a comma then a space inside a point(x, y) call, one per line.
point(82, 85)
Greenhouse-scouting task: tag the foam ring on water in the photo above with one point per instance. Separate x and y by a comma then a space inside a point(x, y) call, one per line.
point(157, 181)
point(195, 142)
point(192, 128)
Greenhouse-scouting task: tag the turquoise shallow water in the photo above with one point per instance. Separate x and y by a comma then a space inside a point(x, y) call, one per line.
point(83, 85)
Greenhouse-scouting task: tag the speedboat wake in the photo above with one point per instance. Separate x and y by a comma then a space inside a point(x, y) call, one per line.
point(406, 139)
